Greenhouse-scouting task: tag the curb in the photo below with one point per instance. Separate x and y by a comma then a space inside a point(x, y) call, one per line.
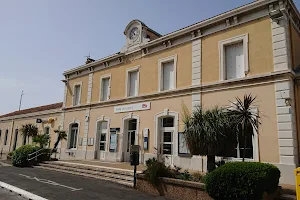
point(21, 192)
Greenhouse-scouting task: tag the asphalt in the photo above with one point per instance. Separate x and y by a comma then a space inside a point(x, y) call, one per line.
point(61, 186)
point(7, 195)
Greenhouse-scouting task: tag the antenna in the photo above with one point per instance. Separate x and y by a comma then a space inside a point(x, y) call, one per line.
point(89, 56)
point(22, 93)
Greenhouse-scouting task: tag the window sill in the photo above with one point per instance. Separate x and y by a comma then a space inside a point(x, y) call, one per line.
point(238, 159)
point(185, 155)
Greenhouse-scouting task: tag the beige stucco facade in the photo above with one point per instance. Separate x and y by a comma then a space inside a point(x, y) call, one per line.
point(270, 42)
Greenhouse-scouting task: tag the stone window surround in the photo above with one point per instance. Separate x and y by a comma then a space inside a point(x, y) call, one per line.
point(73, 98)
point(127, 84)
point(157, 117)
point(160, 65)
point(100, 89)
point(98, 121)
point(223, 44)
point(69, 133)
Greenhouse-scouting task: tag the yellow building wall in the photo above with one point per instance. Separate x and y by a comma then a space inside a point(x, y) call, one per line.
point(259, 49)
point(146, 118)
point(295, 47)
point(266, 104)
point(18, 124)
point(148, 72)
point(84, 88)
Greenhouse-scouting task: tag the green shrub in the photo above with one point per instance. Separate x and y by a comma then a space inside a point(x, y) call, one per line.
point(156, 169)
point(242, 181)
point(9, 155)
point(20, 155)
point(46, 153)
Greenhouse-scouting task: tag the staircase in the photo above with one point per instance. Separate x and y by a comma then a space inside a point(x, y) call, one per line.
point(121, 176)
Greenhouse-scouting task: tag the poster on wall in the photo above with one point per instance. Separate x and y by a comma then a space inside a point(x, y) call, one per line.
point(182, 145)
point(113, 142)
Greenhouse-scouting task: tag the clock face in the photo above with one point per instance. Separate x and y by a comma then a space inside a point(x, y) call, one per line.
point(134, 33)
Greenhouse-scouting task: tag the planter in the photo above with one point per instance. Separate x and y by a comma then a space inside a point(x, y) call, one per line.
point(183, 190)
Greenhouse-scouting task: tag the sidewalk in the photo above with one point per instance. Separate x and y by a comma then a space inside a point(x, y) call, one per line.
point(118, 165)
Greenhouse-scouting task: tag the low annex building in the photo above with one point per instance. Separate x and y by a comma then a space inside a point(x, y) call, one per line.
point(136, 95)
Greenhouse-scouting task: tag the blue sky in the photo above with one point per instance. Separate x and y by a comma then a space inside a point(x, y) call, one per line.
point(42, 38)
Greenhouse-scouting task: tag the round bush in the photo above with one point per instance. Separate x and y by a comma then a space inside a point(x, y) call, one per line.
point(20, 155)
point(242, 181)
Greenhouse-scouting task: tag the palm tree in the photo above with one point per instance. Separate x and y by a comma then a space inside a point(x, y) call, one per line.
point(42, 139)
point(61, 135)
point(244, 118)
point(209, 133)
point(29, 130)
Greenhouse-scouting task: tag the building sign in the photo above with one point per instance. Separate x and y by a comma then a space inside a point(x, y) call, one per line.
point(182, 145)
point(132, 107)
point(113, 142)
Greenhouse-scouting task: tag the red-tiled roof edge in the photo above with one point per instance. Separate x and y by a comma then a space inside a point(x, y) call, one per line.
point(34, 109)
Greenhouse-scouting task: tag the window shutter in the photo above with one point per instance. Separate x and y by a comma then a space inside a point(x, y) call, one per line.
point(133, 78)
point(168, 75)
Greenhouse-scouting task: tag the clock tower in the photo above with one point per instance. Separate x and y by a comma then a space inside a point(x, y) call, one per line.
point(137, 34)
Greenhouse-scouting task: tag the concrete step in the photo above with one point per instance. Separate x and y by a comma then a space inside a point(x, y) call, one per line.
point(92, 172)
point(89, 175)
point(92, 167)
point(286, 197)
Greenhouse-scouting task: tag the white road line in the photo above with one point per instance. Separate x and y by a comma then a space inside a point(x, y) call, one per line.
point(50, 182)
point(21, 192)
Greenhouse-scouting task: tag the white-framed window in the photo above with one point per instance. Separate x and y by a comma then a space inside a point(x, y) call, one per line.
point(6, 137)
point(77, 94)
point(132, 81)
point(167, 73)
point(251, 147)
point(167, 132)
point(73, 136)
point(234, 57)
point(105, 87)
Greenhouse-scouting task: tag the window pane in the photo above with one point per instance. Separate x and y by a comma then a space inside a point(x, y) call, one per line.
point(103, 125)
point(167, 137)
point(0, 134)
point(168, 122)
point(234, 61)
point(103, 137)
point(73, 136)
point(47, 130)
point(168, 75)
point(133, 83)
point(76, 94)
point(105, 89)
point(132, 124)
point(102, 146)
point(167, 148)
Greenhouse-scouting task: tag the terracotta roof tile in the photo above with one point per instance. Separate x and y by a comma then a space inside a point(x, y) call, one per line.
point(35, 109)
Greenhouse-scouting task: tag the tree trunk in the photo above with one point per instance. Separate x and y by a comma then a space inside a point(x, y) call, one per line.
point(55, 145)
point(27, 139)
point(244, 152)
point(211, 163)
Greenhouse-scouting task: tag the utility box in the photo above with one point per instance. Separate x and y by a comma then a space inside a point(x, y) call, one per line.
point(297, 176)
point(134, 155)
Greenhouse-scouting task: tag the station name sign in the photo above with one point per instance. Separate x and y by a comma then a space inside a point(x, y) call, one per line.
point(132, 107)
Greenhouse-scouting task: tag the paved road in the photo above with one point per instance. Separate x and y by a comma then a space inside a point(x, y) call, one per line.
point(60, 186)
point(7, 195)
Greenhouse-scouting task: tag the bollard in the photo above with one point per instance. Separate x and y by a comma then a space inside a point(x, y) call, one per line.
point(297, 177)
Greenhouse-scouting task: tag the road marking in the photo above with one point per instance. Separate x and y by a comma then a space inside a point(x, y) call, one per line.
point(50, 182)
point(21, 192)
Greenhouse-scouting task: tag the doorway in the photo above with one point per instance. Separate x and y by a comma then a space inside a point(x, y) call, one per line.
point(102, 135)
point(130, 137)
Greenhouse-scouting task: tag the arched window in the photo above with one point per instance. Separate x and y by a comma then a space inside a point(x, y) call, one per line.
point(73, 136)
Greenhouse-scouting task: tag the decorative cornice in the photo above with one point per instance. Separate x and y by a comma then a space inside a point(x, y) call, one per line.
point(35, 114)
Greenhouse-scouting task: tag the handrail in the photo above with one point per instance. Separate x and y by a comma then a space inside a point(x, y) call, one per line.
point(35, 152)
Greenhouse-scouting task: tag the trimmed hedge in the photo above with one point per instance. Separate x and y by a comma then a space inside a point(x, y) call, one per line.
point(20, 155)
point(242, 181)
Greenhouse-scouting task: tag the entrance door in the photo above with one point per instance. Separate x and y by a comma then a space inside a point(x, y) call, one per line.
point(130, 138)
point(167, 130)
point(102, 133)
